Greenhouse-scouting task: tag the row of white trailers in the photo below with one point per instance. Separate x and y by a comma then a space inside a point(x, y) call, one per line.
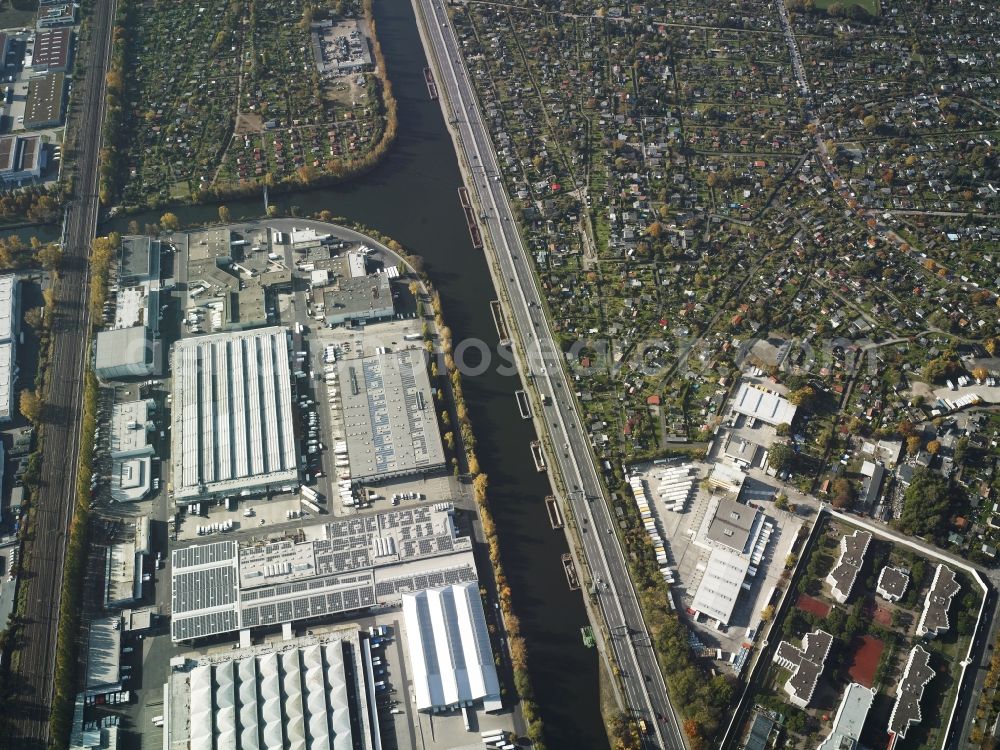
point(340, 456)
point(497, 740)
point(675, 486)
point(649, 522)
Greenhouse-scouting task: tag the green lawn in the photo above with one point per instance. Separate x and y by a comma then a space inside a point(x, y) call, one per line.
point(872, 6)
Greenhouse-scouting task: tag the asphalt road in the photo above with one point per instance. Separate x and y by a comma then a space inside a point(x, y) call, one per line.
point(54, 501)
point(645, 691)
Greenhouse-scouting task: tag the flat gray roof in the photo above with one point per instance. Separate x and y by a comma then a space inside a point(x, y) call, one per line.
point(232, 414)
point(123, 348)
point(766, 406)
point(362, 297)
point(139, 257)
point(389, 418)
point(103, 654)
point(209, 244)
point(732, 524)
point(128, 429)
point(8, 307)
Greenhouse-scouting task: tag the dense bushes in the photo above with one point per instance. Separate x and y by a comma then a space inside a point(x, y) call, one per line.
point(74, 567)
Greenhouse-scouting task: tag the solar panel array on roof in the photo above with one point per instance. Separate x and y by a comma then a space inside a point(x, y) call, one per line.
point(202, 626)
point(391, 429)
point(203, 554)
point(219, 587)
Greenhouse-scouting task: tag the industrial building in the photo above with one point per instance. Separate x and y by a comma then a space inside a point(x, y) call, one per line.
point(229, 279)
point(389, 417)
point(126, 353)
point(10, 328)
point(756, 403)
point(737, 536)
point(306, 695)
point(21, 157)
point(806, 665)
point(361, 299)
point(934, 617)
point(850, 719)
point(123, 566)
point(52, 50)
point(131, 347)
point(450, 652)
point(852, 556)
point(104, 657)
point(131, 452)
point(46, 103)
point(8, 380)
point(232, 418)
point(906, 710)
point(52, 15)
point(344, 566)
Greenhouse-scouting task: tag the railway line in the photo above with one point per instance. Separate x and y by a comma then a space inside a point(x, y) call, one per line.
point(32, 671)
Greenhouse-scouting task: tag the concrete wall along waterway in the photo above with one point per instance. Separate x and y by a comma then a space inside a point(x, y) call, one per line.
point(412, 196)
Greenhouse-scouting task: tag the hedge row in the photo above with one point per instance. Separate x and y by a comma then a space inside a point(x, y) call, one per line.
point(103, 252)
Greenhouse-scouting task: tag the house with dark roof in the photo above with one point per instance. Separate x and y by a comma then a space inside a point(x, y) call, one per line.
point(892, 583)
point(906, 709)
point(805, 663)
point(934, 619)
point(852, 557)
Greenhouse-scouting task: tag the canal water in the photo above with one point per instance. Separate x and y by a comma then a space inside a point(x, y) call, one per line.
point(412, 197)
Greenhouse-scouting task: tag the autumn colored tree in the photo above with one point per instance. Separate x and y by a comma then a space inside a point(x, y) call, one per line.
point(169, 222)
point(30, 405)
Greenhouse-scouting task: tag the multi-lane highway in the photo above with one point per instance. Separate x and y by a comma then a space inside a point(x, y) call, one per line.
point(32, 671)
point(645, 691)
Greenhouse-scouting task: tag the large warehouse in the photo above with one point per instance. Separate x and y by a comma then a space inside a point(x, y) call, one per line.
point(450, 652)
point(345, 565)
point(389, 416)
point(307, 696)
point(46, 102)
point(10, 316)
point(737, 536)
point(232, 415)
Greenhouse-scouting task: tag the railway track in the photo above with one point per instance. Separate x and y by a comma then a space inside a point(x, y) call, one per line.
point(32, 671)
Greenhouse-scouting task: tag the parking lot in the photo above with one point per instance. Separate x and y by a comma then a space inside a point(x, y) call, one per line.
point(689, 560)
